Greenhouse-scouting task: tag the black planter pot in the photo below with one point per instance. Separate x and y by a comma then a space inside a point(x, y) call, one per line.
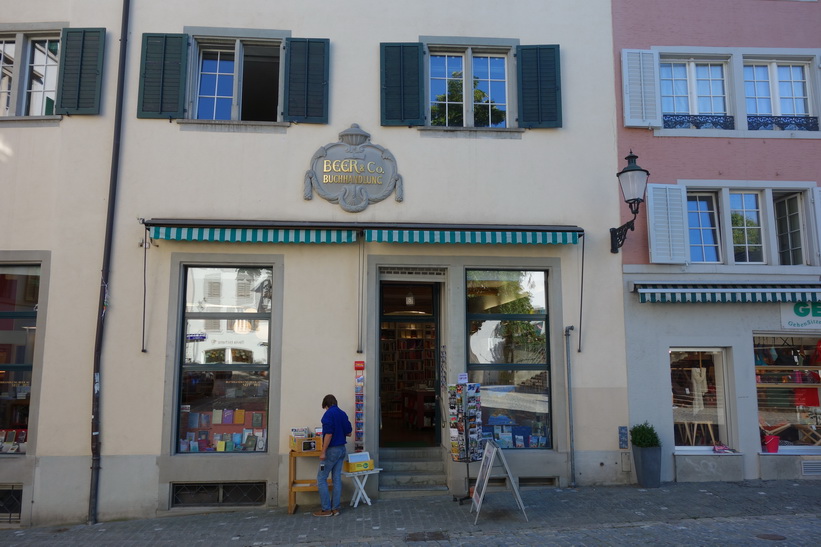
point(648, 465)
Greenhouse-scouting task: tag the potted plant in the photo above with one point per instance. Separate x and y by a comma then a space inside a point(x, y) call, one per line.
point(646, 454)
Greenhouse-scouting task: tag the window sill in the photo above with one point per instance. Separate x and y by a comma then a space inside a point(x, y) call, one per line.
point(701, 451)
point(737, 133)
point(28, 121)
point(794, 451)
point(473, 132)
point(232, 126)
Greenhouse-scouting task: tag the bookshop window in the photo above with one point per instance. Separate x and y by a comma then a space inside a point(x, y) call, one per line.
point(787, 370)
point(19, 291)
point(508, 351)
point(698, 383)
point(225, 360)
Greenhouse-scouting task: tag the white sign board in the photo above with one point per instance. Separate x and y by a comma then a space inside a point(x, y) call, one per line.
point(801, 316)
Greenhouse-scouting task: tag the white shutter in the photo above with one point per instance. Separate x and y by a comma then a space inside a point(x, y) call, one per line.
point(667, 223)
point(640, 81)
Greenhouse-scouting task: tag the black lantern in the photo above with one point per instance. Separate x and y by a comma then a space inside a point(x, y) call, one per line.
point(633, 182)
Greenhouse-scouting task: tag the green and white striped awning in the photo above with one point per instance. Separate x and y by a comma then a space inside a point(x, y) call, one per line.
point(503, 237)
point(253, 235)
point(727, 293)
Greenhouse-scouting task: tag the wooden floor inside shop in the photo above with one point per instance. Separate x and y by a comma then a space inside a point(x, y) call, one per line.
point(396, 434)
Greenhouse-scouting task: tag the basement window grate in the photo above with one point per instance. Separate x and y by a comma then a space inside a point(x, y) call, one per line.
point(11, 502)
point(811, 467)
point(211, 494)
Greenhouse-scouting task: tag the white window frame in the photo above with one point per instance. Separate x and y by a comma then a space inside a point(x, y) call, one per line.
point(774, 87)
point(210, 38)
point(467, 48)
point(693, 95)
point(237, 47)
point(668, 228)
point(468, 53)
point(642, 96)
point(18, 100)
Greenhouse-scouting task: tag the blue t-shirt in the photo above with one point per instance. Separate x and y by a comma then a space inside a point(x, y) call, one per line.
point(336, 422)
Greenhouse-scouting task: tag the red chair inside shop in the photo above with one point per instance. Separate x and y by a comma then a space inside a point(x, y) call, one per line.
point(770, 429)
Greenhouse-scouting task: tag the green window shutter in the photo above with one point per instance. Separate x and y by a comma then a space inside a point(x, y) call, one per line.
point(402, 93)
point(162, 76)
point(307, 68)
point(81, 70)
point(540, 92)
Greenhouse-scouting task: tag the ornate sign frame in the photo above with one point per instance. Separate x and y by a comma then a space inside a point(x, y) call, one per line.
point(353, 172)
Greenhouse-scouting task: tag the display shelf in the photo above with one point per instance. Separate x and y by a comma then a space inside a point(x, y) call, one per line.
point(301, 485)
point(407, 361)
point(419, 408)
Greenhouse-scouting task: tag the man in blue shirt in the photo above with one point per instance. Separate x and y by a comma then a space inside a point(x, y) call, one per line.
point(335, 428)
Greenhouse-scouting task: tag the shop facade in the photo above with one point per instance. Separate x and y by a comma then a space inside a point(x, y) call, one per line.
point(721, 276)
point(289, 202)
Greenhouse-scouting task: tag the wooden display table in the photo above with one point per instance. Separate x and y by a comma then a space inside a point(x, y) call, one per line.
point(300, 485)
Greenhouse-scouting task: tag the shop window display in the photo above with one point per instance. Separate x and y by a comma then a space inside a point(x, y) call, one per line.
point(225, 360)
point(788, 378)
point(508, 351)
point(19, 292)
point(697, 380)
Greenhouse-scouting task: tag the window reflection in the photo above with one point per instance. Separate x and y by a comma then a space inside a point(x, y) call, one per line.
point(508, 354)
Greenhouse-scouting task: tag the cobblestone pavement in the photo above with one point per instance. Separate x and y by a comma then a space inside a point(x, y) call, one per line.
point(748, 513)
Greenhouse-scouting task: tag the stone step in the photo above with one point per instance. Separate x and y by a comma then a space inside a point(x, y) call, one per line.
point(418, 466)
point(411, 479)
point(403, 454)
point(397, 492)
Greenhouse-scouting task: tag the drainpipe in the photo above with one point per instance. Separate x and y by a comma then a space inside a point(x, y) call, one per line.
point(570, 408)
point(106, 266)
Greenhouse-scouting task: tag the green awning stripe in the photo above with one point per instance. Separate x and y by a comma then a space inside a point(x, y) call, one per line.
point(506, 237)
point(737, 294)
point(252, 235)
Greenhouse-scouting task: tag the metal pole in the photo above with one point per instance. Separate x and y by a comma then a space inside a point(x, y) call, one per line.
point(570, 408)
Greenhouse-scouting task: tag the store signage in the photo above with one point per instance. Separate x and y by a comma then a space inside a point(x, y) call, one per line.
point(801, 315)
point(353, 172)
point(197, 337)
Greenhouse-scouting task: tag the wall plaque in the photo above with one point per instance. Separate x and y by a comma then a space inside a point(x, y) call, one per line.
point(353, 172)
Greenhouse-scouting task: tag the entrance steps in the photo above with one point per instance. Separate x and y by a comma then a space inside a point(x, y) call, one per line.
point(411, 472)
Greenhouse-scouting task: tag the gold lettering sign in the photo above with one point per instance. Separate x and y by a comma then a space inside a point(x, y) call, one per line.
point(353, 172)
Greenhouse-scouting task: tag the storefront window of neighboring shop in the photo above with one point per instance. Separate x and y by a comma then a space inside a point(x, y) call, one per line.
point(787, 370)
point(698, 381)
point(19, 291)
point(225, 360)
point(508, 354)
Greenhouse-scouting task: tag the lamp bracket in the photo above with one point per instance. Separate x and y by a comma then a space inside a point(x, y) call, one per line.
point(619, 235)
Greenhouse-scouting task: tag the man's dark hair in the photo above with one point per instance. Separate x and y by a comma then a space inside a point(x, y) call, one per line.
point(328, 401)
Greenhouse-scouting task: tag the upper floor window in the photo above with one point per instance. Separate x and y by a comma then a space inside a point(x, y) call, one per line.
point(235, 77)
point(43, 73)
point(776, 95)
point(694, 95)
point(468, 90)
point(729, 225)
point(498, 84)
point(678, 89)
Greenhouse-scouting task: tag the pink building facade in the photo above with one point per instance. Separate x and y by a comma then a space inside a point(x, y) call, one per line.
point(721, 101)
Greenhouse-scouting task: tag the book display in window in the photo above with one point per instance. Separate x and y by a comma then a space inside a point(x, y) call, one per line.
point(213, 432)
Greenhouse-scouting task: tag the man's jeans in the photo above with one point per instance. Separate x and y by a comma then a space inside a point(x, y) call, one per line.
point(334, 456)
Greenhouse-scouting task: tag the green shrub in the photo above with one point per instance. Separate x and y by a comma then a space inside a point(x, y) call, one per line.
point(644, 435)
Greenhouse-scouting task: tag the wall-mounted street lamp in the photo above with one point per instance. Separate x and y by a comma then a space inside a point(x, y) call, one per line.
point(633, 182)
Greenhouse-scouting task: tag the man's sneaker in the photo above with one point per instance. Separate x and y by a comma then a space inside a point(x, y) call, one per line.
point(327, 513)
point(335, 511)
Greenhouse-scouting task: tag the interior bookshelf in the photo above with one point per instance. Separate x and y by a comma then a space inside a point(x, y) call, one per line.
point(407, 361)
